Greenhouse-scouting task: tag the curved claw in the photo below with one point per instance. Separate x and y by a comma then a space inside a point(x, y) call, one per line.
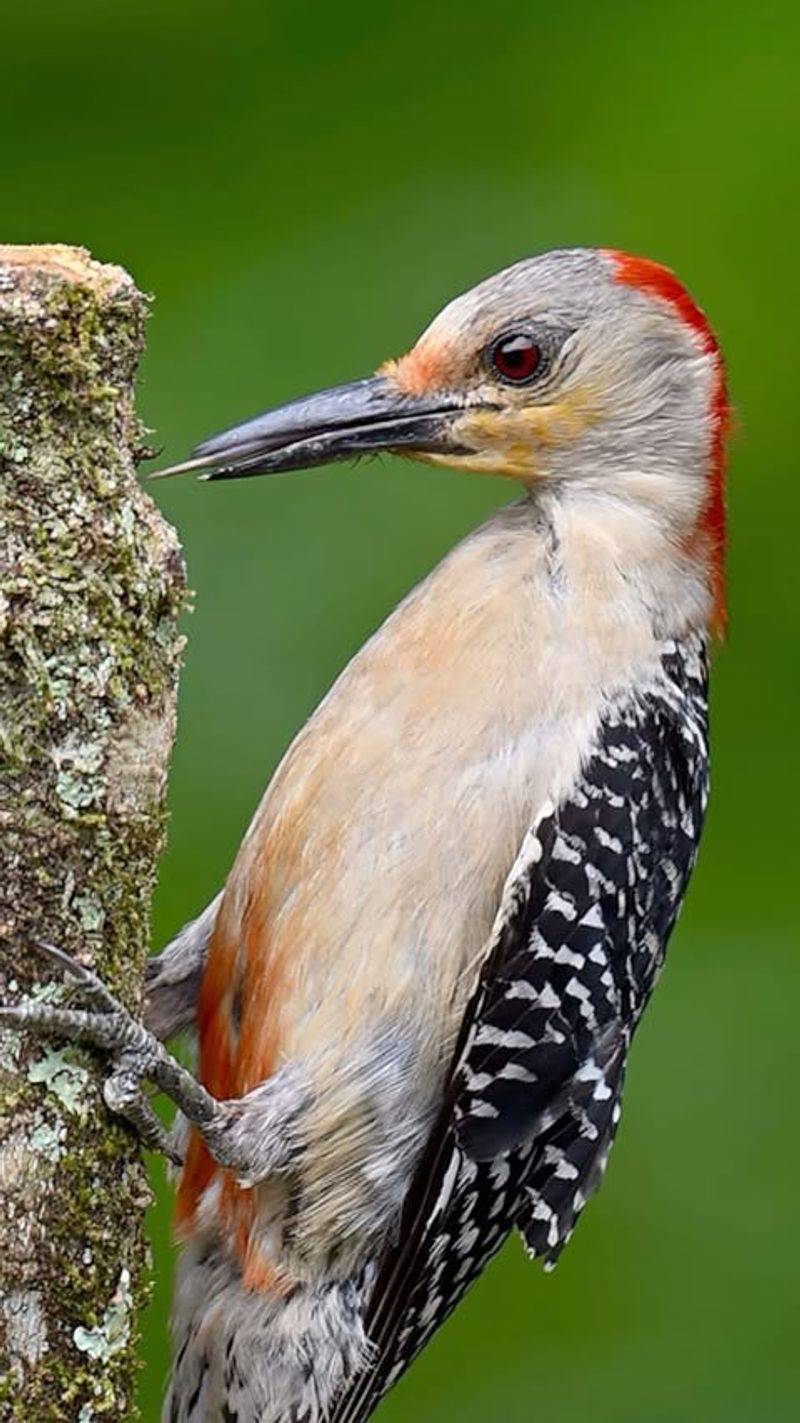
point(88, 980)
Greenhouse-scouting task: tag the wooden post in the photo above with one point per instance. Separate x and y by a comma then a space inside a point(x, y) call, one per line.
point(91, 583)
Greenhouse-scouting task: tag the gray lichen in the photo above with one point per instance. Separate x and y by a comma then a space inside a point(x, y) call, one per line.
point(91, 584)
point(68, 1081)
point(114, 1329)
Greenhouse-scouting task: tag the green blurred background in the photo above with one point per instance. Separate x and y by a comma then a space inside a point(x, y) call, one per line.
point(301, 186)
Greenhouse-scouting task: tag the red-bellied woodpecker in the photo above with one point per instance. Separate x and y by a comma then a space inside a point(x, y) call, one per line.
point(415, 996)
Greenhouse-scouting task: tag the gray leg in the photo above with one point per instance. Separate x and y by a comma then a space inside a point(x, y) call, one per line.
point(172, 980)
point(136, 1056)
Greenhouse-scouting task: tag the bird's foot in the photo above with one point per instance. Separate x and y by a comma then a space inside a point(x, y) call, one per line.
point(135, 1054)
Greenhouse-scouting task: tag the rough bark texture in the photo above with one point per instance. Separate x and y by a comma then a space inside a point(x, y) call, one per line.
point(91, 582)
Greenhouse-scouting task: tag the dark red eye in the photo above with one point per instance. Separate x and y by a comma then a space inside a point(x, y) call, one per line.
point(515, 357)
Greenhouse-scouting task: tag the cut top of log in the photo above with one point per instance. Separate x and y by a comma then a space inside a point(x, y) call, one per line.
point(69, 264)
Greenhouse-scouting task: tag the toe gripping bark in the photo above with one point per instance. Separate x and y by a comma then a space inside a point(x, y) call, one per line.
point(135, 1057)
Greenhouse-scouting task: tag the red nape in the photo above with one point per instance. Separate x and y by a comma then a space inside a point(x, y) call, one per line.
point(656, 280)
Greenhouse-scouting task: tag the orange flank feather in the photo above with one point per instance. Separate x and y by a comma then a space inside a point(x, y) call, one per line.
point(657, 280)
point(214, 1030)
point(237, 1027)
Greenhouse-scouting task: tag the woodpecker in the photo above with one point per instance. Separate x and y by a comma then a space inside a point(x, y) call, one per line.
point(415, 996)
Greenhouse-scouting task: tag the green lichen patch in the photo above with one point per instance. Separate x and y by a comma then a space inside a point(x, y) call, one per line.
point(46, 1139)
point(66, 1080)
point(106, 1339)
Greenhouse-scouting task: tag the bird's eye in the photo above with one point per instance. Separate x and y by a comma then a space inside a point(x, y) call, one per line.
point(515, 357)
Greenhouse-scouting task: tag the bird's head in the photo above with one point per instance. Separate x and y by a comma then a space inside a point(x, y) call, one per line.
point(581, 368)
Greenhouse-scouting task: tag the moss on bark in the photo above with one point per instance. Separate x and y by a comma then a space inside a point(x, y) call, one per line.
point(91, 583)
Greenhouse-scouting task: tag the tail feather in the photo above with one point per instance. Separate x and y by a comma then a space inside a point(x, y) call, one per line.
point(242, 1356)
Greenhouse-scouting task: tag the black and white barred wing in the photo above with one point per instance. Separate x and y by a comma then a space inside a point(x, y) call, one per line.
point(607, 871)
point(534, 1097)
point(594, 899)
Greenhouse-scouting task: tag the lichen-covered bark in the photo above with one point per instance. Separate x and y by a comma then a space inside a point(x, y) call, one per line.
point(91, 582)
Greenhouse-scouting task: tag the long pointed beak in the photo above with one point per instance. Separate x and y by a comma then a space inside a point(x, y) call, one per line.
point(347, 420)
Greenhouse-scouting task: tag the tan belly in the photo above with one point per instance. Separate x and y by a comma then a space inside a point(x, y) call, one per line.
point(369, 880)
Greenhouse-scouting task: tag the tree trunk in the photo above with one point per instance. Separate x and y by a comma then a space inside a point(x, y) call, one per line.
point(91, 582)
